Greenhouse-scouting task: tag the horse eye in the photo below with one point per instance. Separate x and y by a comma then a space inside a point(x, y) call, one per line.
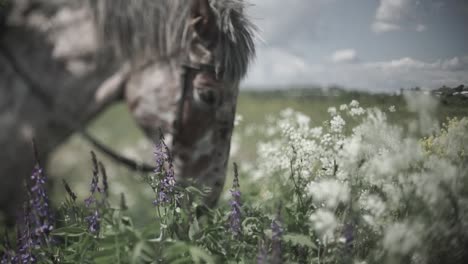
point(208, 97)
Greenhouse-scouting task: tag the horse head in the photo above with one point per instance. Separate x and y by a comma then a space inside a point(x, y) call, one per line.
point(186, 62)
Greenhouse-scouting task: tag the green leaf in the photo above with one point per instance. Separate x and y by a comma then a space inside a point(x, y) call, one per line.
point(104, 256)
point(299, 239)
point(69, 231)
point(250, 224)
point(142, 251)
point(195, 191)
point(199, 255)
point(194, 229)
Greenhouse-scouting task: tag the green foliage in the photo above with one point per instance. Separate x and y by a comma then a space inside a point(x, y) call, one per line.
point(355, 189)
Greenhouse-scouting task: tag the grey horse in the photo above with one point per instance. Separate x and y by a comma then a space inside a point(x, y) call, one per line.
point(176, 63)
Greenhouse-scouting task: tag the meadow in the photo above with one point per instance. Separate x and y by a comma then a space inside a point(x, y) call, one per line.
point(322, 177)
point(116, 129)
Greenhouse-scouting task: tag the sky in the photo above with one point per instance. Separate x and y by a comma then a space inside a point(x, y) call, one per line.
point(375, 45)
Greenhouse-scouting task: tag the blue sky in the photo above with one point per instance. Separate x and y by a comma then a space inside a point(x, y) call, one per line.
point(378, 45)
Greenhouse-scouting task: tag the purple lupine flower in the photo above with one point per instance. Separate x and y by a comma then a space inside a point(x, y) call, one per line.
point(165, 171)
point(6, 258)
point(277, 233)
point(42, 221)
point(26, 237)
point(235, 215)
point(35, 221)
point(94, 220)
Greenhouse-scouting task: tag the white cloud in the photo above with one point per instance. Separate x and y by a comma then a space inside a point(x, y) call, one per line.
point(392, 10)
point(382, 27)
point(393, 15)
point(284, 70)
point(455, 64)
point(344, 56)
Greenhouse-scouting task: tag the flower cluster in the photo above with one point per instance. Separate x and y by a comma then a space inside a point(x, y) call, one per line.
point(35, 222)
point(39, 204)
point(164, 182)
point(375, 181)
point(94, 219)
point(27, 241)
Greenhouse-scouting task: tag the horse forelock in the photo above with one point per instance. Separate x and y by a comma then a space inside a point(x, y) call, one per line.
point(236, 38)
point(139, 30)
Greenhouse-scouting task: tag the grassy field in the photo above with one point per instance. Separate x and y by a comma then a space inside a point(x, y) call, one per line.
point(117, 129)
point(325, 177)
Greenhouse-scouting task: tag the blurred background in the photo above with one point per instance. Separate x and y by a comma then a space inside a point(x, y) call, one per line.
point(312, 54)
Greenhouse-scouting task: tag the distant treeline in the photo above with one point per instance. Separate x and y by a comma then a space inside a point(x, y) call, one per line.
point(447, 94)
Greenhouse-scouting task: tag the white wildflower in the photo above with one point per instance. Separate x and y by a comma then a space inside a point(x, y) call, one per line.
point(402, 238)
point(354, 104)
point(302, 119)
point(316, 132)
point(377, 160)
point(332, 111)
point(392, 109)
point(370, 220)
point(337, 123)
point(324, 223)
point(373, 204)
point(329, 192)
point(356, 111)
point(326, 140)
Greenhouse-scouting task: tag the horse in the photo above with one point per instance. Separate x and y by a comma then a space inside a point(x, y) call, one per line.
point(176, 63)
point(186, 61)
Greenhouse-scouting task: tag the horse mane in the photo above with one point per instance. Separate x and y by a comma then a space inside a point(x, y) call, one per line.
point(237, 37)
point(138, 30)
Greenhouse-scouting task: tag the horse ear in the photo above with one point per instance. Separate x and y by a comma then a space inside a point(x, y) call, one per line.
point(204, 20)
